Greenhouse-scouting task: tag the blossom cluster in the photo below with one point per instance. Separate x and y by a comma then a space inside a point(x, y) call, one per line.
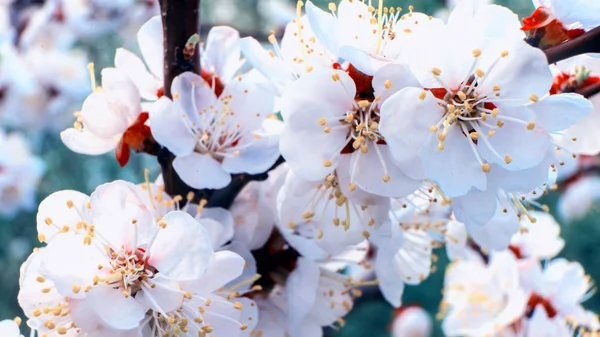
point(401, 133)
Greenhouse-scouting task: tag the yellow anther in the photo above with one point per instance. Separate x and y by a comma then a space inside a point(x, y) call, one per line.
point(433, 128)
point(495, 112)
point(327, 163)
point(363, 103)
point(387, 84)
point(272, 39)
point(308, 215)
point(461, 95)
point(530, 126)
point(474, 135)
point(436, 71)
point(504, 53)
point(533, 98)
point(386, 178)
point(485, 167)
point(507, 159)
point(335, 77)
point(332, 7)
point(476, 52)
point(352, 187)
point(70, 204)
point(422, 95)
point(479, 73)
point(322, 121)
point(76, 288)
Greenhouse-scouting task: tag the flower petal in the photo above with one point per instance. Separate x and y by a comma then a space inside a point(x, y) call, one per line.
point(222, 52)
point(100, 119)
point(122, 95)
point(182, 249)
point(163, 296)
point(169, 128)
point(150, 40)
point(559, 112)
point(201, 171)
point(130, 64)
point(301, 289)
point(85, 142)
point(56, 211)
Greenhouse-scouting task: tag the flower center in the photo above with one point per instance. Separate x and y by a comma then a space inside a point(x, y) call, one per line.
point(129, 269)
point(580, 79)
point(535, 300)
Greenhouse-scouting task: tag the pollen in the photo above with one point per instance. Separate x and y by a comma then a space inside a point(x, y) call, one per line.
point(507, 159)
point(534, 98)
point(479, 73)
point(476, 52)
point(530, 126)
point(363, 103)
point(322, 121)
point(436, 71)
point(308, 215)
point(327, 163)
point(504, 53)
point(76, 288)
point(474, 135)
point(387, 84)
point(433, 128)
point(422, 95)
point(485, 167)
point(352, 187)
point(335, 77)
point(70, 204)
point(332, 7)
point(386, 178)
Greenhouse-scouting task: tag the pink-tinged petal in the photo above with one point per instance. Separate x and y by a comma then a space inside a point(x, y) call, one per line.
point(475, 207)
point(455, 160)
point(249, 271)
point(405, 122)
point(192, 95)
point(221, 315)
point(85, 317)
point(163, 295)
point(120, 215)
point(115, 309)
point(122, 95)
point(371, 168)
point(201, 171)
point(85, 142)
point(224, 266)
point(130, 64)
point(271, 67)
point(100, 119)
point(150, 40)
point(170, 128)
point(59, 209)
point(301, 290)
point(559, 112)
point(222, 52)
point(68, 262)
point(392, 78)
point(182, 249)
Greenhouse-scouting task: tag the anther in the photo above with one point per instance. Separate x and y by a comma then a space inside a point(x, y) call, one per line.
point(327, 163)
point(387, 84)
point(436, 71)
point(530, 126)
point(485, 167)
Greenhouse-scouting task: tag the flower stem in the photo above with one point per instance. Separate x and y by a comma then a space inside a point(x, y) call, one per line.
point(586, 43)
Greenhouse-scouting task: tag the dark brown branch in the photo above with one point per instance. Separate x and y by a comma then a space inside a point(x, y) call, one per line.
point(590, 91)
point(586, 43)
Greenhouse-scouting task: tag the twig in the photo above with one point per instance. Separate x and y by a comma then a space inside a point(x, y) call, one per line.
point(586, 43)
point(590, 90)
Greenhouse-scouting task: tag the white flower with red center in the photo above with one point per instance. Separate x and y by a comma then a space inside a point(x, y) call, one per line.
point(556, 293)
point(220, 58)
point(480, 300)
point(412, 321)
point(539, 239)
point(476, 107)
point(10, 328)
point(327, 213)
point(216, 134)
point(119, 256)
point(20, 173)
point(573, 75)
point(111, 118)
point(556, 21)
point(298, 53)
point(329, 113)
point(365, 36)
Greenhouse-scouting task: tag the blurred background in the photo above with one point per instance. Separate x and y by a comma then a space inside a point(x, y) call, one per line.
point(46, 46)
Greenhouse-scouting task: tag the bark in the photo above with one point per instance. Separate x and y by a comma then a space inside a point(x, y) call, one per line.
point(586, 43)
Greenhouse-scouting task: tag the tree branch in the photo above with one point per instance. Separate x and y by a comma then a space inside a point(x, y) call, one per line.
point(590, 91)
point(586, 43)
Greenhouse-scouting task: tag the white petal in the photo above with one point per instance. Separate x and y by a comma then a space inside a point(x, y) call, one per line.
point(116, 310)
point(222, 232)
point(8, 328)
point(201, 171)
point(559, 112)
point(405, 122)
point(163, 296)
point(366, 63)
point(193, 95)
point(324, 27)
point(223, 267)
point(122, 95)
point(301, 291)
point(131, 65)
point(54, 213)
point(272, 68)
point(256, 158)
point(397, 75)
point(150, 40)
point(100, 119)
point(86, 142)
point(223, 51)
point(369, 172)
point(181, 250)
point(169, 127)
point(497, 232)
point(120, 215)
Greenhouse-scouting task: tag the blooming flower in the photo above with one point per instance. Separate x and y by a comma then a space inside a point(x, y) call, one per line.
point(216, 134)
point(138, 263)
point(474, 291)
point(579, 198)
point(20, 173)
point(111, 118)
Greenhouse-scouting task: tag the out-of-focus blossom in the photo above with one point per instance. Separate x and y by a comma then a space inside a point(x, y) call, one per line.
point(412, 321)
point(20, 173)
point(579, 198)
point(10, 328)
